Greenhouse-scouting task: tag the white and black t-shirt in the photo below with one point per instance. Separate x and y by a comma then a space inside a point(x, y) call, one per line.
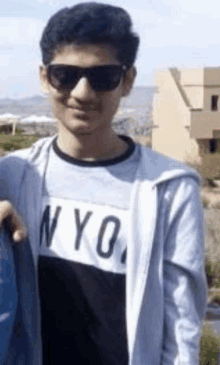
point(82, 263)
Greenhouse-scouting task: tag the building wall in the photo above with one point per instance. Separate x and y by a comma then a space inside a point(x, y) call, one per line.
point(216, 134)
point(218, 146)
point(192, 81)
point(171, 119)
point(208, 92)
point(192, 77)
point(203, 123)
point(211, 76)
point(183, 116)
point(204, 146)
point(195, 94)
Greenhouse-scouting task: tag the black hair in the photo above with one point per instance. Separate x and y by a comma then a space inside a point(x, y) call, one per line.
point(91, 23)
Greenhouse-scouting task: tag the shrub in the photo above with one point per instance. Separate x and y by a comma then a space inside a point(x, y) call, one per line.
point(143, 140)
point(209, 347)
point(212, 241)
point(210, 167)
point(207, 181)
point(210, 183)
point(212, 273)
point(216, 206)
point(7, 129)
point(205, 202)
point(215, 297)
point(9, 146)
point(11, 143)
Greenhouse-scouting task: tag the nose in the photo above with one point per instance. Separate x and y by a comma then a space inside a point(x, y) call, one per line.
point(83, 91)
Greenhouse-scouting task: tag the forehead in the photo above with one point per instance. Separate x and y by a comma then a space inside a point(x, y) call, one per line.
point(86, 55)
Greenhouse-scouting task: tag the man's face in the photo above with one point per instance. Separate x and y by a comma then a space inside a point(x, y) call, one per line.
point(83, 110)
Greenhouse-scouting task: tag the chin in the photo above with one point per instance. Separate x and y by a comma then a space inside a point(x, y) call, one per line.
point(80, 128)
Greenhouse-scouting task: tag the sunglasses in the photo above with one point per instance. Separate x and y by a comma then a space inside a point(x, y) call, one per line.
point(101, 78)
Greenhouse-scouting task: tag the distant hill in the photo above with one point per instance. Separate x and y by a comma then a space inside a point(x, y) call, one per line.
point(40, 105)
point(33, 100)
point(139, 97)
point(37, 105)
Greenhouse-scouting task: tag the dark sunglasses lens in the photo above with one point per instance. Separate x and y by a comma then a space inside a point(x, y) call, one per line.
point(62, 77)
point(105, 78)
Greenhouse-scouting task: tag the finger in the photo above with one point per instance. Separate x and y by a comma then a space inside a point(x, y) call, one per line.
point(5, 210)
point(16, 225)
point(15, 222)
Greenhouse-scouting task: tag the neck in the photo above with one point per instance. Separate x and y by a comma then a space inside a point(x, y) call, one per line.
point(92, 147)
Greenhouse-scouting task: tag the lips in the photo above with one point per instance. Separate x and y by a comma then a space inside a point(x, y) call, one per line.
point(81, 114)
point(84, 110)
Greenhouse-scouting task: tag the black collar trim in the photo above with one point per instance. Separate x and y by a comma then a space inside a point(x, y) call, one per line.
point(99, 163)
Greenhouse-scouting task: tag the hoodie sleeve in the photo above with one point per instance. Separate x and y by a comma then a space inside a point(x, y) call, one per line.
point(185, 288)
point(14, 165)
point(11, 172)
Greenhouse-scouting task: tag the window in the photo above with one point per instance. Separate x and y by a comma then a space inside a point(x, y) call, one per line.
point(214, 102)
point(212, 145)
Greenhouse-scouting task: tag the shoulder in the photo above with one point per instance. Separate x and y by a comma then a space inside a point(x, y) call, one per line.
point(160, 168)
point(20, 157)
point(162, 161)
point(14, 165)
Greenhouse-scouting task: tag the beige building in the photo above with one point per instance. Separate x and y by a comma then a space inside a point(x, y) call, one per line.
point(186, 113)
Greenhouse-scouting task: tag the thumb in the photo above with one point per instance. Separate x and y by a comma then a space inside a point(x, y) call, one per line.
point(14, 221)
point(19, 235)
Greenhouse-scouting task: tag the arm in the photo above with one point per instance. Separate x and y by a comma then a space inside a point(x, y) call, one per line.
point(185, 289)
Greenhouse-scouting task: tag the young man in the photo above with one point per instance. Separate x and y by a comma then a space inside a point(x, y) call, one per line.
point(115, 229)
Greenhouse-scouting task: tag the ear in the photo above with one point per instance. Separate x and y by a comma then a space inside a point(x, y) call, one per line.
point(128, 80)
point(43, 80)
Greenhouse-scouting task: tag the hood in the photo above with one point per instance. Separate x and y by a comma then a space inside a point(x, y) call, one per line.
point(160, 168)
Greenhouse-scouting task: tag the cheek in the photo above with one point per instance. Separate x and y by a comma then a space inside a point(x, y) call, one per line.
point(111, 102)
point(57, 102)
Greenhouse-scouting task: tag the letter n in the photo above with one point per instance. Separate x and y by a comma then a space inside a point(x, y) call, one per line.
point(45, 225)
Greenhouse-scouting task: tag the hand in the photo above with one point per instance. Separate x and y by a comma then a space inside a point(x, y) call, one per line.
point(14, 220)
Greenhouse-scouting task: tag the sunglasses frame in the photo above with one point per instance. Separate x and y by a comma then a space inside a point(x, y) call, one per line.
point(85, 72)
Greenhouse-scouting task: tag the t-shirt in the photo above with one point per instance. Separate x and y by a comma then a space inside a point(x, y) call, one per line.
point(82, 263)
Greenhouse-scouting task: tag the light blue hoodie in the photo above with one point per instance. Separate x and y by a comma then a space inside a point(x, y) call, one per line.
point(166, 289)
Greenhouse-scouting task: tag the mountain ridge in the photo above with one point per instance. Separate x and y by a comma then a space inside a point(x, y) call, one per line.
point(139, 98)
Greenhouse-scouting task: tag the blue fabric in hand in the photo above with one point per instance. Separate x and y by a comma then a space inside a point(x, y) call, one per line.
point(8, 293)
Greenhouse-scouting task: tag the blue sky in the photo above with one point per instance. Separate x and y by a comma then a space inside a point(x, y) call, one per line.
point(181, 33)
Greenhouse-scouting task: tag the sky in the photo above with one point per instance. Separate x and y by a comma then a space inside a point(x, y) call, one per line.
point(173, 33)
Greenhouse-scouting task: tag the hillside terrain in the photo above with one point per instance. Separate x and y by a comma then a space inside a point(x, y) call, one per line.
point(138, 100)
